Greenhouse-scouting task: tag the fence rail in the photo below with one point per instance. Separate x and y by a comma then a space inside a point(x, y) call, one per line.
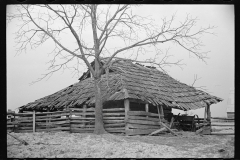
point(222, 125)
point(141, 122)
point(72, 120)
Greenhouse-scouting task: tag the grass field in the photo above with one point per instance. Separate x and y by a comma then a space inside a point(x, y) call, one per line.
point(76, 145)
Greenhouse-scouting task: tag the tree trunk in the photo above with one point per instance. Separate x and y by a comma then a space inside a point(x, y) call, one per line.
point(99, 126)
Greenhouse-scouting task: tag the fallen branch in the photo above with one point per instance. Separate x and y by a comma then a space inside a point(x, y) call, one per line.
point(22, 141)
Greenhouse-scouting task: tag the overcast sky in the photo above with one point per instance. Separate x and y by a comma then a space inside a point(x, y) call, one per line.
point(217, 75)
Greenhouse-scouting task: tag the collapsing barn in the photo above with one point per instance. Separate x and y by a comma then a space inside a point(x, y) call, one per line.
point(137, 96)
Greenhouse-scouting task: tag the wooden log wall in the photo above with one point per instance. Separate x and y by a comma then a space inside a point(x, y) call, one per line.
point(52, 121)
point(81, 120)
point(141, 122)
point(113, 119)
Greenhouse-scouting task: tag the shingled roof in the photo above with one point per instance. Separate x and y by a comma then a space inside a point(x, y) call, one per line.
point(128, 80)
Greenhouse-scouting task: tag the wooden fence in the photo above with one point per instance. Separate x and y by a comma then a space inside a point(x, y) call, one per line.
point(141, 122)
point(72, 120)
point(222, 125)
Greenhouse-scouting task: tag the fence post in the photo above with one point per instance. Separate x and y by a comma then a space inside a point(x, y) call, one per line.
point(34, 118)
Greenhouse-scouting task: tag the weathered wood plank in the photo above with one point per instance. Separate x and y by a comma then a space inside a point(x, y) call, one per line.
point(158, 131)
point(113, 121)
point(121, 129)
point(76, 130)
point(52, 116)
point(222, 118)
point(54, 129)
point(52, 119)
point(21, 114)
point(104, 110)
point(168, 129)
point(82, 129)
point(24, 131)
point(222, 133)
point(114, 125)
point(143, 118)
point(113, 118)
point(82, 118)
point(82, 121)
point(23, 118)
point(82, 114)
point(52, 123)
point(24, 121)
point(25, 124)
point(10, 125)
point(142, 113)
point(143, 122)
point(139, 131)
point(114, 114)
point(81, 126)
point(81, 109)
point(25, 128)
point(113, 109)
point(37, 120)
point(56, 112)
point(139, 126)
point(222, 124)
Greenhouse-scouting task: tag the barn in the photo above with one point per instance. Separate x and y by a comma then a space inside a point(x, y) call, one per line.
point(138, 97)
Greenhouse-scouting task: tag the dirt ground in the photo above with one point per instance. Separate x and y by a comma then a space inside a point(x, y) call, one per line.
point(83, 145)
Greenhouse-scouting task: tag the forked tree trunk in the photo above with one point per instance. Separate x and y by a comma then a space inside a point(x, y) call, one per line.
point(99, 125)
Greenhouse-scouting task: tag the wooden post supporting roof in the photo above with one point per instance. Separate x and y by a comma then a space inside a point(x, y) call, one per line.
point(205, 112)
point(127, 108)
point(84, 115)
point(48, 121)
point(159, 114)
point(207, 118)
point(208, 113)
point(34, 120)
point(146, 107)
point(161, 111)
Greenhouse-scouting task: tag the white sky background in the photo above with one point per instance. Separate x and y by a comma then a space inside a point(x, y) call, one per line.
point(217, 75)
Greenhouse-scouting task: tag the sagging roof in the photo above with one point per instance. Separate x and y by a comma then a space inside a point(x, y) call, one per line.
point(128, 80)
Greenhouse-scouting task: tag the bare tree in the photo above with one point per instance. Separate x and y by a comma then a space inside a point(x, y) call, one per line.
point(105, 24)
point(198, 87)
